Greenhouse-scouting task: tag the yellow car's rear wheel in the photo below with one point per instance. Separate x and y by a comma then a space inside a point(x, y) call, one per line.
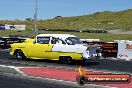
point(20, 55)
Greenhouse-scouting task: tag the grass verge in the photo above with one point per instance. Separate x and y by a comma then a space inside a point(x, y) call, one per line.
point(106, 37)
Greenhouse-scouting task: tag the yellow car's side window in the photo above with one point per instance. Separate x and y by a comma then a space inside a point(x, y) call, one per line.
point(43, 40)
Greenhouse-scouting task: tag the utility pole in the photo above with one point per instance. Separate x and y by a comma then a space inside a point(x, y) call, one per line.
point(35, 18)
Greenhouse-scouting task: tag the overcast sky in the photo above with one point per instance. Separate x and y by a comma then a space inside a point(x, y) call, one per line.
point(47, 9)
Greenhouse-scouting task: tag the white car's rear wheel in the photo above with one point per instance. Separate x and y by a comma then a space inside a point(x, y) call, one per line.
point(65, 59)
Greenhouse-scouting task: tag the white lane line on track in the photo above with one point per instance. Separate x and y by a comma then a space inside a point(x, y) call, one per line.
point(4, 49)
point(95, 85)
point(86, 69)
point(7, 66)
point(15, 68)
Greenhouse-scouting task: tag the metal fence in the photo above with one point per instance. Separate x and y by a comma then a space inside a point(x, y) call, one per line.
point(5, 42)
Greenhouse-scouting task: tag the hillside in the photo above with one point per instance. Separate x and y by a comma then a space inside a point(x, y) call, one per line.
point(99, 20)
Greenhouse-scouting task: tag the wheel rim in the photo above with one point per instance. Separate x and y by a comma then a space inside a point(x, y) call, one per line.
point(68, 60)
point(19, 55)
point(65, 60)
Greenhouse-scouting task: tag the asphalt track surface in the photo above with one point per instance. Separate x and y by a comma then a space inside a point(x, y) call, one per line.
point(17, 81)
point(109, 65)
point(10, 78)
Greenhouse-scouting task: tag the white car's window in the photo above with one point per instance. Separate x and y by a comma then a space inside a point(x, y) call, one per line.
point(61, 42)
point(43, 40)
point(57, 41)
point(73, 41)
point(54, 40)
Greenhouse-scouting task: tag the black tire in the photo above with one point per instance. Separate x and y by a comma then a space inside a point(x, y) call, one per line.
point(65, 60)
point(81, 80)
point(83, 62)
point(20, 55)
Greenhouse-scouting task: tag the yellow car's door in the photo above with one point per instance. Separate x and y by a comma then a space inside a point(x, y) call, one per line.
point(40, 51)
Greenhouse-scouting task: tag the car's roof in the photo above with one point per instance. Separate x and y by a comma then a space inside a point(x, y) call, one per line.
point(56, 35)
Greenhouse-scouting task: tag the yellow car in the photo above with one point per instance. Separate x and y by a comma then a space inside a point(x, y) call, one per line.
point(62, 47)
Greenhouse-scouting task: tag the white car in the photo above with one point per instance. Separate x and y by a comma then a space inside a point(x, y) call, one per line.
point(62, 47)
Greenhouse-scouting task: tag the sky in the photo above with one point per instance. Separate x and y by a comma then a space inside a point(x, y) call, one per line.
point(48, 9)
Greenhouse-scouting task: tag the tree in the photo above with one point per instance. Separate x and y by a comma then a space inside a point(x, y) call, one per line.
point(29, 19)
